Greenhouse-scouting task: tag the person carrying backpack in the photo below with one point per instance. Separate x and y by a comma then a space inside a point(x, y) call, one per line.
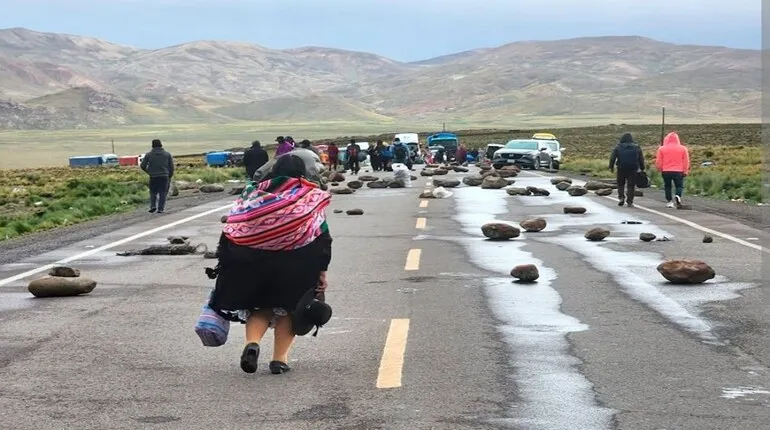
point(400, 152)
point(629, 160)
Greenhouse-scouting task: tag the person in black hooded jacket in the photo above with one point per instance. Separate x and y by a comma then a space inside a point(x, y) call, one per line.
point(629, 160)
point(254, 158)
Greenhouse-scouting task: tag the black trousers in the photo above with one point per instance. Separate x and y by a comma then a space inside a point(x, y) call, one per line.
point(355, 165)
point(673, 178)
point(626, 184)
point(159, 186)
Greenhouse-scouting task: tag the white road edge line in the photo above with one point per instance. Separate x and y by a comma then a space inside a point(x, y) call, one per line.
point(687, 223)
point(35, 271)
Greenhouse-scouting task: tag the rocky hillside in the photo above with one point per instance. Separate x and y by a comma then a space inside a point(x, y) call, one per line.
point(59, 81)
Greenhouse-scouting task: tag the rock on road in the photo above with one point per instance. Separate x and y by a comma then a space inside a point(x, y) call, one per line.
point(429, 330)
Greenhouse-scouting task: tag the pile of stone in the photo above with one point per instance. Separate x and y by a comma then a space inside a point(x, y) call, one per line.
point(177, 245)
point(61, 281)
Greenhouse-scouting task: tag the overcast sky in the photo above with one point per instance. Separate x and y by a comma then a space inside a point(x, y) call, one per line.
point(405, 30)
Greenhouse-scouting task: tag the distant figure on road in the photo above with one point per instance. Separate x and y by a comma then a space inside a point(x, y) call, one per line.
point(461, 154)
point(673, 162)
point(284, 146)
point(375, 156)
point(305, 144)
point(274, 252)
point(629, 159)
point(254, 158)
point(159, 165)
point(334, 154)
point(352, 152)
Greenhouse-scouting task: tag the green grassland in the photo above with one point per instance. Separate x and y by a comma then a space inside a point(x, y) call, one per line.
point(38, 198)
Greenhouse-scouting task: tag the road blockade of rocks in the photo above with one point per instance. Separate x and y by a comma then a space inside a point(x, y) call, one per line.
point(61, 281)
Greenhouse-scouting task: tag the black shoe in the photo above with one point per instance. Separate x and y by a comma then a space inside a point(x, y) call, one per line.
point(160, 211)
point(152, 210)
point(249, 357)
point(620, 203)
point(276, 367)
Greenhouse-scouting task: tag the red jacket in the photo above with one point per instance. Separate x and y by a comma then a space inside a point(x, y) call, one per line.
point(672, 156)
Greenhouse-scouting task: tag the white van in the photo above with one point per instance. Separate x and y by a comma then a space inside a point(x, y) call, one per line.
point(408, 138)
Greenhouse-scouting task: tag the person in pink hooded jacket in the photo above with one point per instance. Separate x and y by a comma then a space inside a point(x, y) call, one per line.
point(673, 162)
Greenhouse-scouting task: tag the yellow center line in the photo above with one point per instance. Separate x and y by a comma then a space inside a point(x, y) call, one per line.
point(413, 259)
point(421, 222)
point(392, 362)
point(424, 203)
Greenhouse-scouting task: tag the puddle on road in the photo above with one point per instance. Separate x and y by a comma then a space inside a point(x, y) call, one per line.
point(556, 395)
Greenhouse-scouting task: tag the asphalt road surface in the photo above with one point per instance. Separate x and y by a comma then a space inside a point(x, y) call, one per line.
point(429, 331)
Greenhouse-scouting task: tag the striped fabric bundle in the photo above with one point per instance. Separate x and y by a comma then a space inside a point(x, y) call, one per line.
point(211, 328)
point(279, 214)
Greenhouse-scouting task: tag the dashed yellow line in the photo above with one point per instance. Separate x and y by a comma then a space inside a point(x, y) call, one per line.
point(392, 362)
point(413, 259)
point(421, 222)
point(424, 203)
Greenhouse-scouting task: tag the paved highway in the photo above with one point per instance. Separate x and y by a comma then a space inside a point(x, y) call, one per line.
point(429, 331)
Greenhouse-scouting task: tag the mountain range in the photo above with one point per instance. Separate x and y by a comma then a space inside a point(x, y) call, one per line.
point(53, 81)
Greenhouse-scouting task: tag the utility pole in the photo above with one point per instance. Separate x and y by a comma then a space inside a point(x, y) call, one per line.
point(443, 126)
point(113, 146)
point(663, 127)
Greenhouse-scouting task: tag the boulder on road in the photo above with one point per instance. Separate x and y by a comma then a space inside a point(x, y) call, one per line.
point(686, 271)
point(576, 191)
point(562, 186)
point(533, 225)
point(538, 191)
point(355, 212)
point(177, 240)
point(377, 184)
point(355, 184)
point(460, 169)
point(54, 286)
point(525, 273)
point(367, 178)
point(174, 190)
point(427, 195)
point(473, 180)
point(64, 272)
point(500, 231)
point(396, 183)
point(211, 188)
point(427, 172)
point(338, 211)
point(441, 171)
point(446, 182)
point(336, 177)
point(594, 185)
point(574, 210)
point(558, 179)
point(345, 190)
point(486, 173)
point(603, 192)
point(646, 237)
point(517, 191)
point(494, 183)
point(597, 234)
point(708, 239)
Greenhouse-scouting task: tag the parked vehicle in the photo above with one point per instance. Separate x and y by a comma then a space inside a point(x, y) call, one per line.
point(525, 153)
point(110, 160)
point(554, 147)
point(489, 151)
point(217, 158)
point(128, 160)
point(448, 140)
point(94, 160)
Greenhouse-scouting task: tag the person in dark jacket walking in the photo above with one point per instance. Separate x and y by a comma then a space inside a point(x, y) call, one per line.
point(254, 158)
point(159, 165)
point(629, 160)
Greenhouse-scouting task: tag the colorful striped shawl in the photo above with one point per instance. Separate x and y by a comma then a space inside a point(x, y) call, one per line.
point(279, 214)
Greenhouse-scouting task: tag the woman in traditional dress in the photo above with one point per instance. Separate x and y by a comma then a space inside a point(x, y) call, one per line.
point(273, 253)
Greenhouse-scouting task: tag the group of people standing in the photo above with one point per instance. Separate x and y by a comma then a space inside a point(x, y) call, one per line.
point(672, 160)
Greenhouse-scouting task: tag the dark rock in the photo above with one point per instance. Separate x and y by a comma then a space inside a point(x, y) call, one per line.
point(223, 219)
point(646, 237)
point(355, 212)
point(486, 173)
point(460, 169)
point(561, 186)
point(174, 190)
point(707, 239)
point(412, 178)
point(210, 254)
point(177, 240)
point(485, 167)
point(473, 180)
point(64, 272)
point(517, 191)
point(603, 192)
point(396, 183)
point(427, 172)
point(597, 234)
point(211, 188)
point(446, 182)
point(335, 184)
point(533, 225)
point(442, 171)
point(338, 211)
point(236, 191)
point(500, 231)
point(336, 177)
point(525, 273)
point(432, 166)
point(686, 271)
point(61, 286)
point(427, 195)
point(493, 183)
point(377, 184)
point(574, 210)
point(367, 178)
point(342, 190)
point(538, 191)
point(594, 185)
point(576, 191)
point(558, 179)
point(355, 184)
